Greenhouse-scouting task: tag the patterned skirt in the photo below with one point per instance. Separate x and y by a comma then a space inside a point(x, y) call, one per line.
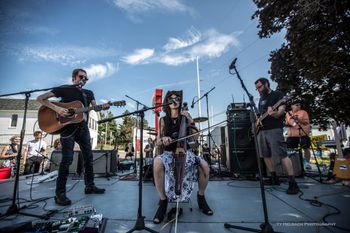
point(190, 175)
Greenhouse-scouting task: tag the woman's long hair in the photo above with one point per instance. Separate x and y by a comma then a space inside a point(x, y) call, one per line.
point(167, 110)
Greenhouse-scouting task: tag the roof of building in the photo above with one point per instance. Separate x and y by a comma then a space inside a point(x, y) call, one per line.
point(18, 104)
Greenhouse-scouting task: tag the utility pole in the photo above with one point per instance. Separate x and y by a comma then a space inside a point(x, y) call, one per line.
point(199, 104)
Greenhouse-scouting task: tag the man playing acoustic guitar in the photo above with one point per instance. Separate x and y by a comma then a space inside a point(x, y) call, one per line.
point(270, 137)
point(80, 133)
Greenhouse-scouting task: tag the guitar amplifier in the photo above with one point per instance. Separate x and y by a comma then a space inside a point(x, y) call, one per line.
point(104, 161)
point(342, 168)
point(74, 168)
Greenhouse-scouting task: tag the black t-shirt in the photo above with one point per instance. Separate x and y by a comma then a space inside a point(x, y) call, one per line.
point(172, 131)
point(69, 93)
point(271, 99)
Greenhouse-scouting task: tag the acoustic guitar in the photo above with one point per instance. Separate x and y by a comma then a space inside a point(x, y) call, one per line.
point(53, 123)
point(259, 120)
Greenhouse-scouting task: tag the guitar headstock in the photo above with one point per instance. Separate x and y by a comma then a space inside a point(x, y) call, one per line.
point(286, 98)
point(120, 103)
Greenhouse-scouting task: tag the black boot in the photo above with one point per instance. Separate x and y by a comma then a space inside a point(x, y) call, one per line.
point(203, 205)
point(293, 188)
point(163, 205)
point(93, 190)
point(62, 199)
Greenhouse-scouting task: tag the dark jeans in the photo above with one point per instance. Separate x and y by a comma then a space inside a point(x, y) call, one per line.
point(33, 165)
point(82, 137)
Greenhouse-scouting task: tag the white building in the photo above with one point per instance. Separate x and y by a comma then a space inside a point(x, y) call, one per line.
point(11, 121)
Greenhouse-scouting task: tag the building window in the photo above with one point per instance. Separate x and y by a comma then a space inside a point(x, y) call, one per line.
point(14, 119)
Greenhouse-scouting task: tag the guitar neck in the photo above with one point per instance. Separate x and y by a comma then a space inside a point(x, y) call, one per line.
point(88, 109)
point(274, 107)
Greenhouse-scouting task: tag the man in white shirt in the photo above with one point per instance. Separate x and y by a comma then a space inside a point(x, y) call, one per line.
point(34, 153)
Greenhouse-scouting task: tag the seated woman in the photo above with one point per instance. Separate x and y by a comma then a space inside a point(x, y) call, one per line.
point(9, 153)
point(129, 151)
point(163, 166)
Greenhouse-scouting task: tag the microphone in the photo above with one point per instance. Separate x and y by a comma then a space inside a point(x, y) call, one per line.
point(81, 83)
point(174, 101)
point(233, 63)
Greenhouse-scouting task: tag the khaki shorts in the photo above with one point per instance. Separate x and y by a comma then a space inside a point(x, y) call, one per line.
point(272, 144)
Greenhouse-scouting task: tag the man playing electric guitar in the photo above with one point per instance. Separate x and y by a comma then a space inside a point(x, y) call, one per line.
point(270, 138)
point(80, 134)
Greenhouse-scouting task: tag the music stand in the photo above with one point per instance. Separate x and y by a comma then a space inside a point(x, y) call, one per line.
point(265, 226)
point(14, 209)
point(140, 221)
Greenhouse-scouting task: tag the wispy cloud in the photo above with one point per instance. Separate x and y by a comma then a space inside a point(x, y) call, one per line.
point(141, 6)
point(214, 45)
point(98, 71)
point(178, 43)
point(64, 55)
point(174, 60)
point(207, 45)
point(138, 56)
point(101, 71)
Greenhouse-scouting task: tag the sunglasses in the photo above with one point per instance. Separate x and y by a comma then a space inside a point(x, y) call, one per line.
point(83, 77)
point(176, 99)
point(257, 88)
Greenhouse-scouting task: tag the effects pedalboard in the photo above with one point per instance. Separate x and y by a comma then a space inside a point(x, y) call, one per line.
point(82, 219)
point(79, 210)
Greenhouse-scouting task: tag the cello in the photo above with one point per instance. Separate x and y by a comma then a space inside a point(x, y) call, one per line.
point(179, 161)
point(179, 156)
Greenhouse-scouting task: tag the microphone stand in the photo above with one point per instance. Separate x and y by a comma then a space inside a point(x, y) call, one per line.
point(42, 164)
point(266, 226)
point(140, 221)
point(14, 209)
point(138, 103)
point(209, 134)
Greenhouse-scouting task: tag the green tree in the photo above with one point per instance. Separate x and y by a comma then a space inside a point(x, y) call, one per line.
point(106, 131)
point(314, 62)
point(126, 128)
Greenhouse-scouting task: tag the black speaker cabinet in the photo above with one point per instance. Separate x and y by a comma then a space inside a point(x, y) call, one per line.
point(243, 161)
point(56, 157)
point(240, 150)
point(105, 161)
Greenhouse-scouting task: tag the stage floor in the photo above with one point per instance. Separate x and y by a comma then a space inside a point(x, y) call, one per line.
point(236, 202)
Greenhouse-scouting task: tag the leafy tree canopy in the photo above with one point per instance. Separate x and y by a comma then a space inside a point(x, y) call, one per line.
point(314, 62)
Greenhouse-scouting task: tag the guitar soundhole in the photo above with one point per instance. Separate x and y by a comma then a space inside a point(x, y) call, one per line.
point(71, 113)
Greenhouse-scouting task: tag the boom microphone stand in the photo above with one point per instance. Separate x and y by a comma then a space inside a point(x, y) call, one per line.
point(266, 226)
point(14, 209)
point(207, 105)
point(140, 221)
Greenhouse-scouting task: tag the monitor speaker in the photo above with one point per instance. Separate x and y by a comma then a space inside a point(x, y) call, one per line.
point(104, 161)
point(56, 157)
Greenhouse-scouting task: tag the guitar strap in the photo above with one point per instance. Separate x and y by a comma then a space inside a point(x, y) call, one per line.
point(86, 115)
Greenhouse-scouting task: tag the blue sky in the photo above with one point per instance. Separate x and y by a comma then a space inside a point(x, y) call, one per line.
point(133, 47)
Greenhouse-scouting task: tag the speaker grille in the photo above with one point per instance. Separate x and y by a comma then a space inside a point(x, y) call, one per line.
point(241, 148)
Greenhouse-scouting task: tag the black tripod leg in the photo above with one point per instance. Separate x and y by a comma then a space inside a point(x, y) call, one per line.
point(140, 225)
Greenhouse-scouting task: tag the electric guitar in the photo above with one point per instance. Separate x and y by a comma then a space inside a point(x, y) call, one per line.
point(53, 123)
point(259, 120)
